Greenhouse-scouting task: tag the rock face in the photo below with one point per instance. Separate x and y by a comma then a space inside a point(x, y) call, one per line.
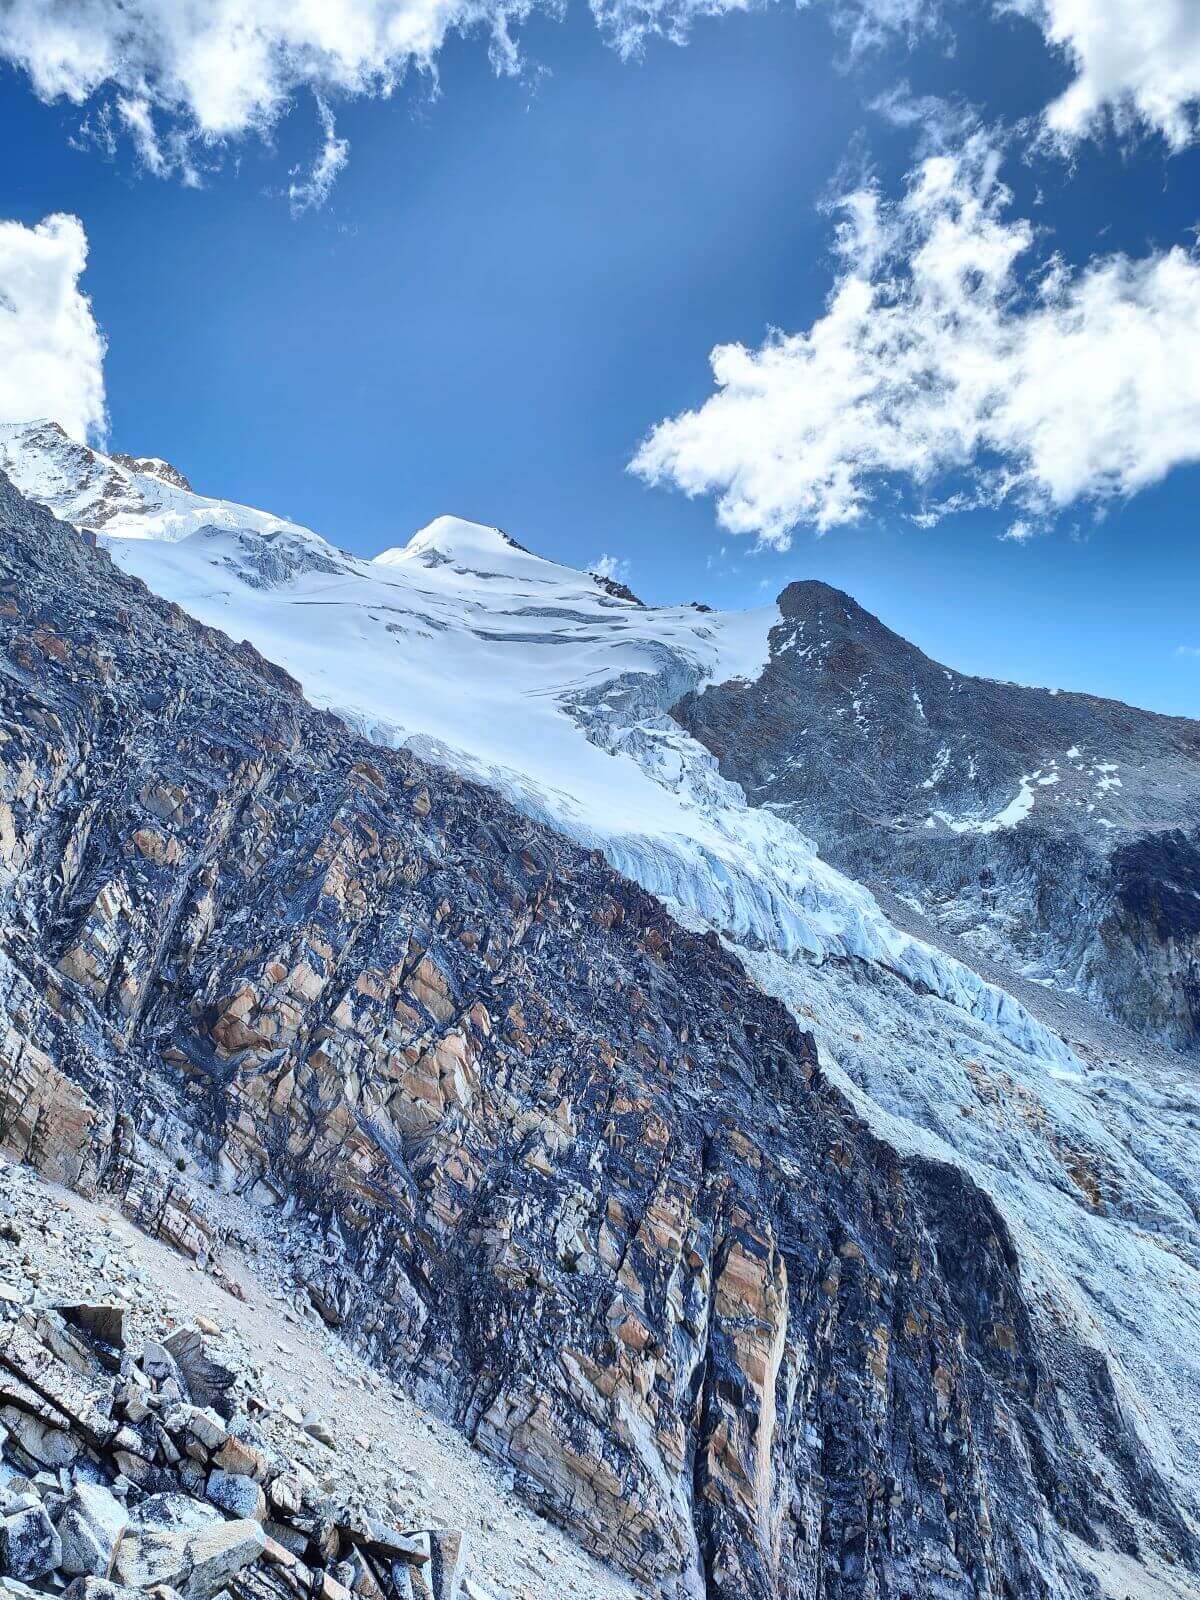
point(560, 1162)
point(1061, 830)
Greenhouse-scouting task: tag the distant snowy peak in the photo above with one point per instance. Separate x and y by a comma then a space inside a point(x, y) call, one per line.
point(458, 549)
point(1058, 833)
point(469, 549)
point(123, 496)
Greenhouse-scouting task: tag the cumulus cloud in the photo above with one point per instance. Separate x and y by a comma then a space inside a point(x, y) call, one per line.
point(51, 351)
point(181, 80)
point(946, 348)
point(1135, 62)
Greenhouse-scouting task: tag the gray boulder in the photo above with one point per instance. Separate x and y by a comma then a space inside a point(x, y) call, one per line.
point(29, 1545)
point(90, 1527)
point(185, 1544)
point(98, 1589)
point(237, 1494)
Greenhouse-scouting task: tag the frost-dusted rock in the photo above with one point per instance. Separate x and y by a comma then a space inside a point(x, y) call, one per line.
point(203, 1428)
point(90, 1527)
point(237, 1494)
point(159, 1364)
point(206, 1380)
point(187, 1545)
point(88, 1588)
point(29, 1545)
point(242, 1459)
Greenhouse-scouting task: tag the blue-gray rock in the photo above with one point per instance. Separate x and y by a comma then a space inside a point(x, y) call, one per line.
point(237, 1494)
point(90, 1527)
point(29, 1545)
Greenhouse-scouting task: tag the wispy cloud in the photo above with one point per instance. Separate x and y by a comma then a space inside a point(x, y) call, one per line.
point(306, 192)
point(51, 350)
point(1187, 649)
point(948, 349)
point(1020, 532)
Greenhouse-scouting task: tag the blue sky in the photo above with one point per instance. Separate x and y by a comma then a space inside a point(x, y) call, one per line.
point(511, 282)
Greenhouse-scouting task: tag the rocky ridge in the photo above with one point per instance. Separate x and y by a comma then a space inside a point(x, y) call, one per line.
point(575, 1177)
point(1057, 832)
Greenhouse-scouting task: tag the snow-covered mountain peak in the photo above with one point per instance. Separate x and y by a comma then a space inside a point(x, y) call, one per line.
point(458, 542)
point(123, 496)
point(529, 675)
point(156, 467)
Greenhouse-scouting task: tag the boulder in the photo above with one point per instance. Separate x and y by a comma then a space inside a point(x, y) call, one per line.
point(241, 1459)
point(432, 1566)
point(237, 1494)
point(207, 1381)
point(90, 1528)
point(29, 1545)
point(186, 1544)
point(88, 1588)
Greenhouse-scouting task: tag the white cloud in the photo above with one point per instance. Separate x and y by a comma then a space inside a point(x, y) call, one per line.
point(1020, 532)
point(610, 567)
point(315, 189)
point(1187, 649)
point(938, 357)
point(185, 78)
point(182, 80)
point(51, 351)
point(1134, 62)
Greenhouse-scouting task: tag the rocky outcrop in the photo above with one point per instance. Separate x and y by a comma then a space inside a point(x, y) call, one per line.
point(1059, 831)
point(543, 1151)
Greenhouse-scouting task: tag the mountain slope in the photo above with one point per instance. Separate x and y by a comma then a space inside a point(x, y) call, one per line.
point(555, 692)
point(534, 1144)
point(1058, 830)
